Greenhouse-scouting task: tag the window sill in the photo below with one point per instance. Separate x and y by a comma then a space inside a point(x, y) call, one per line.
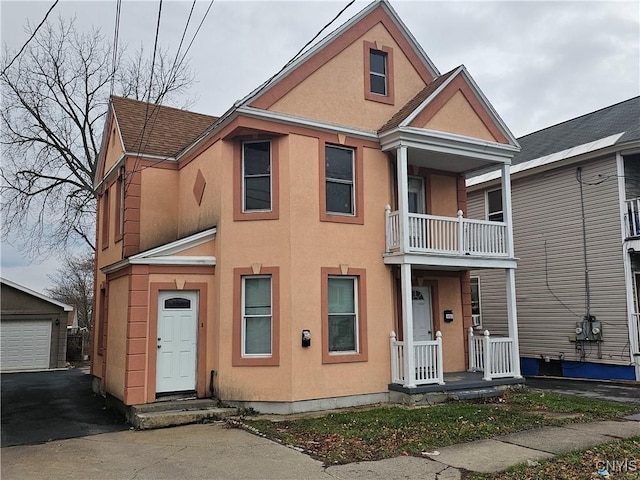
point(328, 358)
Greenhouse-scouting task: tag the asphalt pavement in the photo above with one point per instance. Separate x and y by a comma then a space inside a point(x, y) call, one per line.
point(615, 391)
point(39, 407)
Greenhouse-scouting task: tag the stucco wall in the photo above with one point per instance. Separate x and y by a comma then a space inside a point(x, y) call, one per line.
point(117, 336)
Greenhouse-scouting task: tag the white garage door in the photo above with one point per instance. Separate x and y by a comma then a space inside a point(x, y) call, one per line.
point(25, 344)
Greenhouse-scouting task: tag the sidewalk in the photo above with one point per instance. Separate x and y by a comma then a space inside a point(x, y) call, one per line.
point(211, 451)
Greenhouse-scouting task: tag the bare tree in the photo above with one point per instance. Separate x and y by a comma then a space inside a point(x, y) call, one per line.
point(73, 285)
point(54, 101)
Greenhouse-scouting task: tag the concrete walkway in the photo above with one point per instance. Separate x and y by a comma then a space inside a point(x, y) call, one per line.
point(212, 451)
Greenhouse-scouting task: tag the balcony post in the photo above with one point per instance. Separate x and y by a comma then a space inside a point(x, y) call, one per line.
point(407, 325)
point(403, 197)
point(460, 233)
point(507, 216)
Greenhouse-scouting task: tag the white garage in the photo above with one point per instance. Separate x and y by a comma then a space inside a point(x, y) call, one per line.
point(33, 329)
point(25, 344)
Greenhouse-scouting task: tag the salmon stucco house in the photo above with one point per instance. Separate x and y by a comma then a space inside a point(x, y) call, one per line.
point(309, 248)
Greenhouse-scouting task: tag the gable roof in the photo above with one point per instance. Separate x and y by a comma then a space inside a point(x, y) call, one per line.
point(416, 101)
point(618, 118)
point(28, 291)
point(168, 130)
point(377, 11)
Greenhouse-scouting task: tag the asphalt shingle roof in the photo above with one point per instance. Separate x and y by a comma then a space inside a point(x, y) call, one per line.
point(168, 130)
point(618, 118)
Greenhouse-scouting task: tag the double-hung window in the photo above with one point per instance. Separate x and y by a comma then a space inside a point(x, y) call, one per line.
point(257, 325)
point(494, 206)
point(340, 180)
point(256, 176)
point(378, 72)
point(343, 314)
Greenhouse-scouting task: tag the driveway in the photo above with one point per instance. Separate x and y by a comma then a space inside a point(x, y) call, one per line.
point(627, 392)
point(42, 406)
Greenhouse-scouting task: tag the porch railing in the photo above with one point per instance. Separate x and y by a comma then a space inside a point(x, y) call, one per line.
point(457, 236)
point(632, 217)
point(493, 356)
point(428, 363)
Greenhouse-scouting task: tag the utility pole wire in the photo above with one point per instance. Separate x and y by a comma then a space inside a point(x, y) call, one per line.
point(33, 34)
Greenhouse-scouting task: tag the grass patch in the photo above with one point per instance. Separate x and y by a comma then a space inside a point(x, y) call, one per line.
point(623, 457)
point(384, 432)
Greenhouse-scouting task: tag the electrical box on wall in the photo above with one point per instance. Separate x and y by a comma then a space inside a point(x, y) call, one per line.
point(448, 316)
point(588, 330)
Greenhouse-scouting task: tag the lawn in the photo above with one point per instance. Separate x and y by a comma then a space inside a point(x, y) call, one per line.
point(389, 431)
point(621, 460)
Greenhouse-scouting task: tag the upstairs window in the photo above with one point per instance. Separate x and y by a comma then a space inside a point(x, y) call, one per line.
point(256, 176)
point(378, 72)
point(105, 219)
point(494, 206)
point(339, 180)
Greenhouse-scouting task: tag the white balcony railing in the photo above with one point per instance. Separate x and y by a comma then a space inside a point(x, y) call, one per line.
point(493, 356)
point(632, 217)
point(427, 356)
point(448, 235)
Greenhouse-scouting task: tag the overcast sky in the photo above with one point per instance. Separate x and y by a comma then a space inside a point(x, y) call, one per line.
point(538, 63)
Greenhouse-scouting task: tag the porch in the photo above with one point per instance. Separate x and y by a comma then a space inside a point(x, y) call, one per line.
point(423, 370)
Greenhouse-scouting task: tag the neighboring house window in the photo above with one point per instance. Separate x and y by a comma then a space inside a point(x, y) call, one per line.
point(256, 174)
point(344, 334)
point(256, 316)
point(494, 206)
point(378, 73)
point(476, 313)
point(339, 180)
point(105, 219)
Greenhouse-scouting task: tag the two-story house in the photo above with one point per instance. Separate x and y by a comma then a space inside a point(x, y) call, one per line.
point(308, 249)
point(576, 204)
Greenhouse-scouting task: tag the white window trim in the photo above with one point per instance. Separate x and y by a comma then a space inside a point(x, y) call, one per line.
point(344, 182)
point(479, 323)
point(244, 318)
point(244, 193)
point(486, 205)
point(356, 306)
point(385, 55)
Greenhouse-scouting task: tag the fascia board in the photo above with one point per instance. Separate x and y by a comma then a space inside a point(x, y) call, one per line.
point(176, 260)
point(115, 166)
point(309, 53)
point(176, 246)
point(603, 146)
point(306, 122)
point(407, 121)
point(503, 126)
point(33, 293)
point(447, 143)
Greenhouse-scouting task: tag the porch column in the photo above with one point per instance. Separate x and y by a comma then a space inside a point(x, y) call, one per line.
point(403, 197)
point(407, 325)
point(510, 273)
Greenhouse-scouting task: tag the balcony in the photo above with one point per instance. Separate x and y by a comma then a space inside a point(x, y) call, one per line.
point(447, 241)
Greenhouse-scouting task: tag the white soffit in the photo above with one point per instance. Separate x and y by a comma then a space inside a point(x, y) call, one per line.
point(547, 159)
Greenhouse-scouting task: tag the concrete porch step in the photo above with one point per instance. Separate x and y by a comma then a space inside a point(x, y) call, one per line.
point(474, 393)
point(170, 413)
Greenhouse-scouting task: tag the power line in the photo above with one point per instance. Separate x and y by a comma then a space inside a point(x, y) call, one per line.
point(115, 45)
point(33, 34)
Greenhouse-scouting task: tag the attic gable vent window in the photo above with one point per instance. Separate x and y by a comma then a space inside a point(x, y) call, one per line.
point(378, 73)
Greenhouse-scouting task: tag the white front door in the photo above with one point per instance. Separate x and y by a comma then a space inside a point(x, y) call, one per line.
point(422, 317)
point(177, 341)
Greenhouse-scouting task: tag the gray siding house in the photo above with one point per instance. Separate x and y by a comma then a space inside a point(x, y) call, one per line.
point(576, 219)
